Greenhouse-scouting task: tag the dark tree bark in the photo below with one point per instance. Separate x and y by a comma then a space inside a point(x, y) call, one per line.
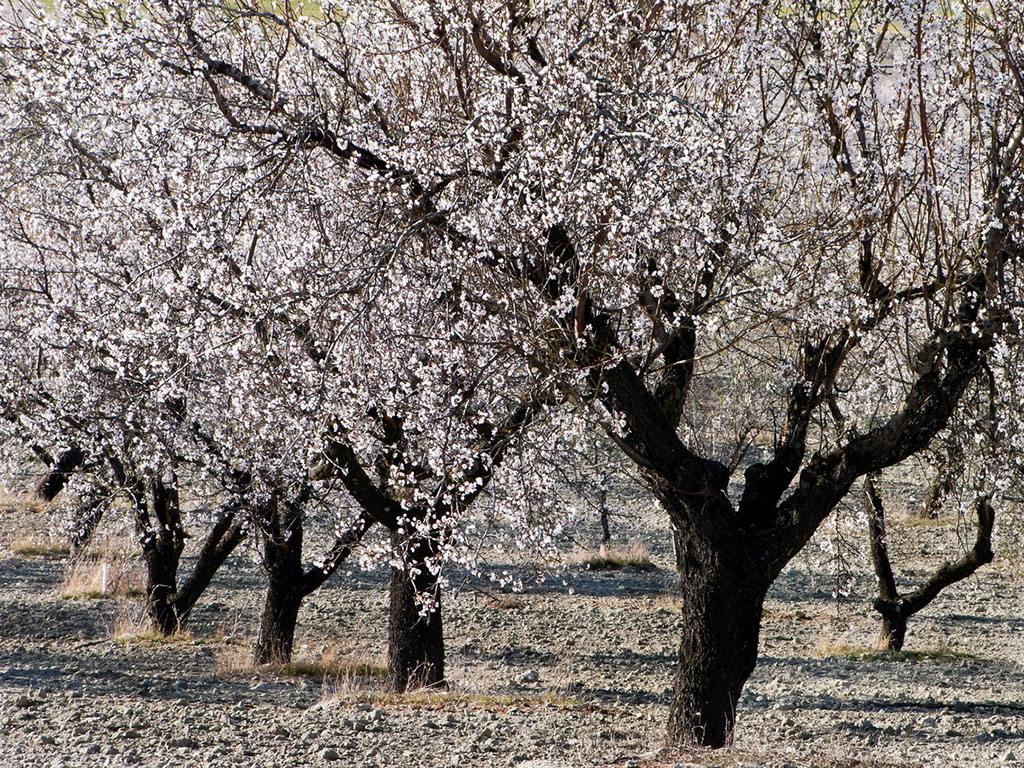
point(896, 609)
point(162, 546)
point(53, 482)
point(606, 531)
point(282, 559)
point(222, 540)
point(415, 641)
point(160, 533)
point(722, 604)
point(786, 499)
point(287, 583)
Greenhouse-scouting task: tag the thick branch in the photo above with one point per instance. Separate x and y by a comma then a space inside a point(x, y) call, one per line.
point(222, 540)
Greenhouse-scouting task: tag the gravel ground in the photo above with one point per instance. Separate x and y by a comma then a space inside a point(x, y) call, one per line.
point(542, 679)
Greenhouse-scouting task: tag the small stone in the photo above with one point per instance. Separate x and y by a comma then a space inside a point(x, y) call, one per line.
point(529, 676)
point(329, 755)
point(184, 743)
point(24, 701)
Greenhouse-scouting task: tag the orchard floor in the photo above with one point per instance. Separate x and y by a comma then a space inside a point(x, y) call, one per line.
point(593, 668)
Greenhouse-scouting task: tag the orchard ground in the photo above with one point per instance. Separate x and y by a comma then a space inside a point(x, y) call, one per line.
point(544, 678)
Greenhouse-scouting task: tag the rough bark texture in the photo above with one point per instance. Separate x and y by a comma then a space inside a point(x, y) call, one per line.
point(415, 641)
point(895, 608)
point(161, 535)
point(722, 605)
point(282, 559)
point(277, 623)
point(161, 549)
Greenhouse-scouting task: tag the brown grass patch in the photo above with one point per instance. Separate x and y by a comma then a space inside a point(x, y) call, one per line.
point(633, 554)
point(107, 578)
point(855, 652)
point(32, 545)
point(133, 627)
point(331, 665)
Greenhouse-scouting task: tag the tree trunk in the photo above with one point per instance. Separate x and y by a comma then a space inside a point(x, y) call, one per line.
point(896, 609)
point(722, 607)
point(161, 551)
point(282, 559)
point(161, 586)
point(894, 631)
point(415, 642)
point(277, 625)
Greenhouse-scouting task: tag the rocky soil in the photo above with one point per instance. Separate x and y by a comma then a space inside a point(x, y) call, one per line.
point(542, 679)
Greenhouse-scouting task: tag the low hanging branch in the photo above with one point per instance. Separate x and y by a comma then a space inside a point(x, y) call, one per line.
point(895, 608)
point(53, 482)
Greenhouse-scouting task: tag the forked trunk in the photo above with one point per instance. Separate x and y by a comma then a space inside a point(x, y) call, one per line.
point(161, 551)
point(722, 607)
point(415, 641)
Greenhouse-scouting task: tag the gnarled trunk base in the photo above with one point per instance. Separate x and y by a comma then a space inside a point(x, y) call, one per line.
point(722, 608)
point(277, 624)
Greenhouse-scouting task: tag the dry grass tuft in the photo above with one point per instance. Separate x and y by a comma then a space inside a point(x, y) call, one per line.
point(31, 545)
point(111, 577)
point(134, 627)
point(631, 555)
point(236, 660)
point(333, 665)
point(855, 652)
point(16, 505)
point(25, 517)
